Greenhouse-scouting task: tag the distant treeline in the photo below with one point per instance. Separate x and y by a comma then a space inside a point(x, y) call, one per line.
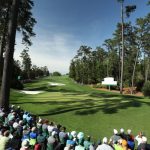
point(91, 66)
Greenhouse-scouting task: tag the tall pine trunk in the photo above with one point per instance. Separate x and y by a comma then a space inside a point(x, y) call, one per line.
point(147, 69)
point(134, 67)
point(122, 53)
point(3, 42)
point(8, 60)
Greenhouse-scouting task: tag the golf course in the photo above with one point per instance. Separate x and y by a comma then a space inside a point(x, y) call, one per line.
point(82, 108)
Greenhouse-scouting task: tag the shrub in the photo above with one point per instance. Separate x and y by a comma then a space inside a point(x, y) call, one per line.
point(146, 89)
point(99, 85)
point(56, 73)
point(139, 84)
point(16, 84)
point(114, 87)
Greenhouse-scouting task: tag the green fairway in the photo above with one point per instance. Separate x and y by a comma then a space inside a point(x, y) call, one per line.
point(82, 108)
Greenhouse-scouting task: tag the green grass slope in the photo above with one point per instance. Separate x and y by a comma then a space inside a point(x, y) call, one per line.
point(82, 108)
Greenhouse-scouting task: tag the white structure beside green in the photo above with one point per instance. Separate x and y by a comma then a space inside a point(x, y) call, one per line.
point(109, 81)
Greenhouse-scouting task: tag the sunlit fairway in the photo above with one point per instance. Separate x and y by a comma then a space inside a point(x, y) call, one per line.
point(82, 108)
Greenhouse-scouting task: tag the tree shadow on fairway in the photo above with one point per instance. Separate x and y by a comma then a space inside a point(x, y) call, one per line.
point(110, 106)
point(106, 104)
point(88, 103)
point(65, 91)
point(39, 88)
point(110, 95)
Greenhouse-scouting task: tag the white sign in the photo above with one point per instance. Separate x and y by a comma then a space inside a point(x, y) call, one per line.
point(109, 81)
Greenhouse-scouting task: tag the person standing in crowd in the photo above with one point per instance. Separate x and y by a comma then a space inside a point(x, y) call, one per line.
point(104, 145)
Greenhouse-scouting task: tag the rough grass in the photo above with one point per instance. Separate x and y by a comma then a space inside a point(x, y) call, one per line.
point(82, 108)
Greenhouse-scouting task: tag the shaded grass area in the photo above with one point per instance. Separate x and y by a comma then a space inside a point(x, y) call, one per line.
point(82, 108)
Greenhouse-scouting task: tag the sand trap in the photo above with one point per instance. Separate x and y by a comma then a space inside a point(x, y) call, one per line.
point(31, 92)
point(55, 84)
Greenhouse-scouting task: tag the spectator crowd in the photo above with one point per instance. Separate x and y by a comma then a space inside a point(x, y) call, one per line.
point(19, 130)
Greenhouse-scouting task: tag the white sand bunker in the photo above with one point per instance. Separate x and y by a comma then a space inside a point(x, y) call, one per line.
point(55, 84)
point(31, 92)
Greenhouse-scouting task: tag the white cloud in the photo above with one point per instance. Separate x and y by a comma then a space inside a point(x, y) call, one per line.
point(52, 50)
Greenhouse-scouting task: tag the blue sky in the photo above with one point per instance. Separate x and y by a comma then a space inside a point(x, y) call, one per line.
point(64, 25)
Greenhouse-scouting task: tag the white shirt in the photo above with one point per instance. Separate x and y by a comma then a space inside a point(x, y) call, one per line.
point(104, 147)
point(138, 139)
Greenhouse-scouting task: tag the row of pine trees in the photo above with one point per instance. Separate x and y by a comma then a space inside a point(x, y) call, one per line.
point(91, 66)
point(15, 16)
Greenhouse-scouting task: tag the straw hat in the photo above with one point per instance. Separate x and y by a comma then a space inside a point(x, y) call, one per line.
point(25, 144)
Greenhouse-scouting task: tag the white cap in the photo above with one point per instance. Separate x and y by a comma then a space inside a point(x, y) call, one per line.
point(74, 134)
point(105, 140)
point(144, 139)
point(54, 133)
point(80, 135)
point(115, 131)
point(40, 120)
point(25, 144)
point(15, 125)
point(129, 131)
point(12, 106)
point(121, 130)
point(21, 122)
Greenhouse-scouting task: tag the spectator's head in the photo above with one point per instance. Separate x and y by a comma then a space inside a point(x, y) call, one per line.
point(88, 138)
point(21, 122)
point(6, 133)
point(110, 141)
point(25, 144)
point(33, 129)
point(121, 130)
point(140, 134)
point(105, 140)
point(58, 126)
point(80, 135)
point(129, 131)
point(2, 131)
point(2, 114)
point(144, 139)
point(54, 133)
point(115, 131)
point(63, 129)
point(74, 134)
point(120, 141)
point(40, 120)
point(51, 123)
point(12, 106)
point(14, 113)
point(15, 125)
point(2, 108)
point(46, 121)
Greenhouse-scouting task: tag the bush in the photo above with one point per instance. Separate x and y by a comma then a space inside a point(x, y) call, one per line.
point(139, 84)
point(113, 87)
point(146, 89)
point(16, 84)
point(56, 73)
point(99, 85)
